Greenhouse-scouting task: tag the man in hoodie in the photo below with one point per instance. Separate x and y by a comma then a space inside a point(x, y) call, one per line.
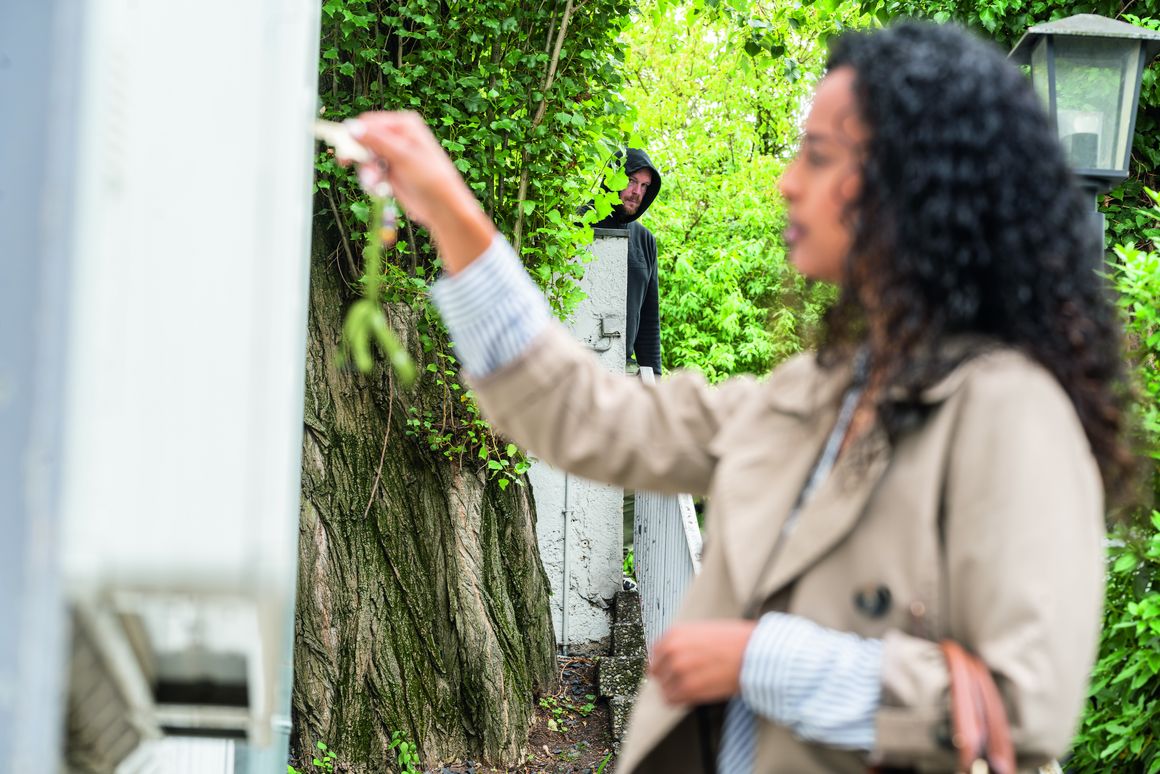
point(642, 347)
point(643, 320)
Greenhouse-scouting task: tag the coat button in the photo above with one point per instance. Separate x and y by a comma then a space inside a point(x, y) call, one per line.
point(873, 601)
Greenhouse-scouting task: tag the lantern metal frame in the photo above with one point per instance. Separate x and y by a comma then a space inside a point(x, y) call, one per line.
point(1091, 26)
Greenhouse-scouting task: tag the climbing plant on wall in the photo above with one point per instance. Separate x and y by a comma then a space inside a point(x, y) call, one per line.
point(524, 99)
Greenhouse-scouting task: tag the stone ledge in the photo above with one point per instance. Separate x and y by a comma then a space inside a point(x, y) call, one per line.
point(628, 640)
point(627, 607)
point(620, 673)
point(620, 676)
point(620, 708)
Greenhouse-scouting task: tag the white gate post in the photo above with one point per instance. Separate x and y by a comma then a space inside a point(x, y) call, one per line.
point(579, 523)
point(38, 65)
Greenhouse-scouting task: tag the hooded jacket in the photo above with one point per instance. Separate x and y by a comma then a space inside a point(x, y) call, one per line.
point(642, 313)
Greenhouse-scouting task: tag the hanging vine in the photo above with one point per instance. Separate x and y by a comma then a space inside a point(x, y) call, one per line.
point(525, 99)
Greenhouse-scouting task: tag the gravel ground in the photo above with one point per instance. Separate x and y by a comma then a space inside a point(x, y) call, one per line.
point(571, 732)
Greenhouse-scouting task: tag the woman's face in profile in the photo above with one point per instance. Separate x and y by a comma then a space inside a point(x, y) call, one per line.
point(824, 178)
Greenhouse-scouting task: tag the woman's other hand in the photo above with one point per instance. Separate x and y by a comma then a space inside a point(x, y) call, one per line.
point(700, 662)
point(426, 183)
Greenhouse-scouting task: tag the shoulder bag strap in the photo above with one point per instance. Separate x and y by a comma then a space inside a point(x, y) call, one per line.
point(981, 733)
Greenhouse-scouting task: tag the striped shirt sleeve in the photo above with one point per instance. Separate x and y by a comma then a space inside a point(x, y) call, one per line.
point(822, 684)
point(492, 309)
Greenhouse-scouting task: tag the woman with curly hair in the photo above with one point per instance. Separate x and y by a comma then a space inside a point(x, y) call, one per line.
point(936, 472)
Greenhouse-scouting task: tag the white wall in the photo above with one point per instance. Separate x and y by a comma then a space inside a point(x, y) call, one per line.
point(579, 522)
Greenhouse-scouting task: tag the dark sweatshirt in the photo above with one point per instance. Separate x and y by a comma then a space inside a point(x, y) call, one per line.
point(642, 313)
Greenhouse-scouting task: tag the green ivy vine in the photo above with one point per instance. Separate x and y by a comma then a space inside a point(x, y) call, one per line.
point(525, 99)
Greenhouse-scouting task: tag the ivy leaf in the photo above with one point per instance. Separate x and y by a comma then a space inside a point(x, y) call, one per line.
point(1125, 563)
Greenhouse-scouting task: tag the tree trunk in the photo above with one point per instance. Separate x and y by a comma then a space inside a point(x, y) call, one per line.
point(422, 603)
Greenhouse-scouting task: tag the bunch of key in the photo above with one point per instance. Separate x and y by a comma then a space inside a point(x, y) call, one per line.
point(372, 176)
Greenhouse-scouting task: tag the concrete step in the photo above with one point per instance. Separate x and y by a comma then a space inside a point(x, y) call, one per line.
point(627, 607)
point(619, 676)
point(620, 709)
point(628, 639)
point(620, 673)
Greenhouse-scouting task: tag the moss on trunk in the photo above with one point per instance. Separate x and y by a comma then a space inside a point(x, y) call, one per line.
point(422, 608)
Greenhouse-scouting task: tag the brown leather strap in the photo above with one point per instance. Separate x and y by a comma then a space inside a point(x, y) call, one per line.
point(981, 730)
point(1000, 750)
point(968, 730)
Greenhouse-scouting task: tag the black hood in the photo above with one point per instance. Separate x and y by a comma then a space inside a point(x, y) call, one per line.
point(636, 160)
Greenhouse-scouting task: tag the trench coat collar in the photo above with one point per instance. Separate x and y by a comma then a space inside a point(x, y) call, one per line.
point(816, 387)
point(809, 388)
point(823, 522)
point(751, 533)
point(749, 536)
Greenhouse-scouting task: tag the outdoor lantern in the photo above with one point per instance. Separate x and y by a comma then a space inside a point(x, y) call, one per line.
point(1088, 69)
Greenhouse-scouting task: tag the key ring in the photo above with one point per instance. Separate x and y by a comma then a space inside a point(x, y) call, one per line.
point(372, 176)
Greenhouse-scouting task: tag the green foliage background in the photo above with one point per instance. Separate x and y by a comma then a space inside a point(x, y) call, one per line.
point(718, 89)
point(1121, 728)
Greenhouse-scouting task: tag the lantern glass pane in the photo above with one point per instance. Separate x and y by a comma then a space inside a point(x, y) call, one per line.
point(1095, 80)
point(1039, 72)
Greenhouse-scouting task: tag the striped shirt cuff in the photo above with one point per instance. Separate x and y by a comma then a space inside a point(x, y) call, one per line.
point(822, 684)
point(492, 309)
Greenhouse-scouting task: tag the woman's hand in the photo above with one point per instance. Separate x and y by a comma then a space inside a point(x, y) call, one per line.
point(700, 662)
point(426, 183)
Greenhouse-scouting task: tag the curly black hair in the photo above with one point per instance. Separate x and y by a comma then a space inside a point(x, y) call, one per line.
point(970, 221)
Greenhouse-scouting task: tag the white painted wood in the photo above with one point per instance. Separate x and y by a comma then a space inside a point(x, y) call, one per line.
point(579, 522)
point(184, 371)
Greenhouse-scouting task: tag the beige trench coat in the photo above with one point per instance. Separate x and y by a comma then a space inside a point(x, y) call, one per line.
point(985, 525)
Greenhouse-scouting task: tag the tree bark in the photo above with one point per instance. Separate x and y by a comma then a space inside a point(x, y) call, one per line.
point(422, 607)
